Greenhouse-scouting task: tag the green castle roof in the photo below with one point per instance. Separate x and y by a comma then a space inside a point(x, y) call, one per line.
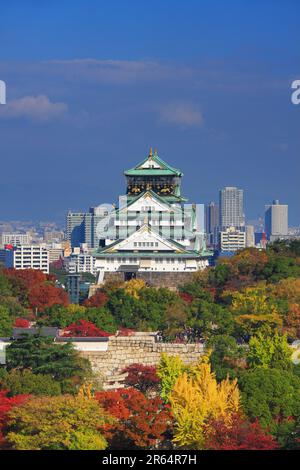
point(163, 168)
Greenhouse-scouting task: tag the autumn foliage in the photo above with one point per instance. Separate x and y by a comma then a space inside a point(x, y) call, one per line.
point(143, 378)
point(238, 434)
point(84, 328)
point(36, 289)
point(22, 323)
point(196, 399)
point(141, 422)
point(6, 405)
point(97, 300)
point(46, 295)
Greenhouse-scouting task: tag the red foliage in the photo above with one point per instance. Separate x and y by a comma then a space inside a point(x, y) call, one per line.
point(141, 422)
point(35, 288)
point(45, 295)
point(239, 435)
point(29, 277)
point(188, 298)
point(84, 328)
point(141, 377)
point(22, 323)
point(97, 300)
point(6, 404)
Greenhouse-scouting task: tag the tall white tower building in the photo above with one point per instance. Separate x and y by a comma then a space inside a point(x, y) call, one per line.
point(231, 207)
point(276, 220)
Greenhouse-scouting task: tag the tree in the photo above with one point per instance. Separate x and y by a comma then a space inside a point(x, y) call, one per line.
point(42, 356)
point(6, 322)
point(292, 321)
point(57, 423)
point(253, 308)
point(5, 286)
point(143, 378)
point(238, 434)
point(21, 323)
point(124, 308)
point(6, 405)
point(269, 351)
point(25, 382)
point(97, 300)
point(273, 397)
point(141, 422)
point(134, 286)
point(250, 263)
point(210, 319)
point(281, 267)
point(176, 316)
point(220, 275)
point(227, 357)
point(84, 328)
point(45, 295)
point(286, 289)
point(61, 316)
point(168, 370)
point(29, 277)
point(196, 399)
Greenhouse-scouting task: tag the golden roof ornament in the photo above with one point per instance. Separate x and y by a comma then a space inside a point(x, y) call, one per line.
point(150, 153)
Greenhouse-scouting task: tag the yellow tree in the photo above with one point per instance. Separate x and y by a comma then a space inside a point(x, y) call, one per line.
point(253, 307)
point(133, 287)
point(198, 398)
point(57, 423)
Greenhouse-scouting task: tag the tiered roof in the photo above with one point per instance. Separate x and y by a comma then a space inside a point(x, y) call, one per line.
point(153, 166)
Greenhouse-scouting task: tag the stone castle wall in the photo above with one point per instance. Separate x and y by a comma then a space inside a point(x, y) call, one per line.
point(154, 279)
point(142, 348)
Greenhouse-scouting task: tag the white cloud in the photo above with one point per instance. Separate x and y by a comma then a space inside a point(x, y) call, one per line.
point(117, 71)
point(181, 114)
point(38, 108)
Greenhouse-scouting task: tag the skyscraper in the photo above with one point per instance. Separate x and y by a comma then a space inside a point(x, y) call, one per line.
point(276, 220)
point(231, 207)
point(212, 222)
point(82, 226)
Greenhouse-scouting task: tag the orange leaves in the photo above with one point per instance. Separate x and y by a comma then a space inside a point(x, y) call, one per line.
point(141, 421)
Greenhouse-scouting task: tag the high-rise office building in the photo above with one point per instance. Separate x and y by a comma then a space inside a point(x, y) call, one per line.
point(276, 220)
point(212, 222)
point(231, 207)
point(82, 226)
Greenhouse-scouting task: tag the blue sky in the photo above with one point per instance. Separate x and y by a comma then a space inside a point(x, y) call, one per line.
point(91, 85)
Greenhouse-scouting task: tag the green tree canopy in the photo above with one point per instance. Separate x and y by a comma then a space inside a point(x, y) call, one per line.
point(57, 423)
point(42, 356)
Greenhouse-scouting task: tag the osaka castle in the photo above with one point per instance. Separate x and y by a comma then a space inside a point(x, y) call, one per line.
point(153, 234)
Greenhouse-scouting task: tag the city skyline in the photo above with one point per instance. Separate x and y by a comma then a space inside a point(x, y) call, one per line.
point(86, 102)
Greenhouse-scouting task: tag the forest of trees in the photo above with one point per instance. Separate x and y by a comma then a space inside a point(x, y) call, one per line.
point(243, 394)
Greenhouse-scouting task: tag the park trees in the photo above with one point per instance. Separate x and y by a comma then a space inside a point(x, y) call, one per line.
point(84, 328)
point(196, 399)
point(57, 423)
point(238, 434)
point(169, 369)
point(42, 356)
point(141, 422)
point(269, 351)
point(20, 382)
point(141, 377)
point(273, 397)
point(6, 405)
